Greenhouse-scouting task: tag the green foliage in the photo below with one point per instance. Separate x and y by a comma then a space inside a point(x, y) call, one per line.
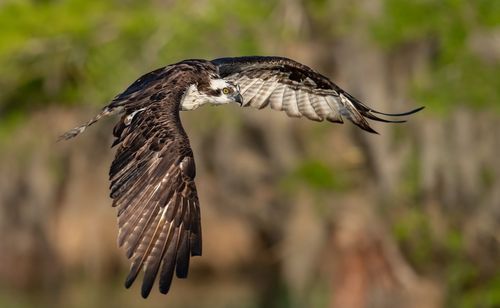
point(318, 176)
point(430, 251)
point(485, 295)
point(410, 187)
point(468, 285)
point(458, 75)
point(413, 232)
point(85, 52)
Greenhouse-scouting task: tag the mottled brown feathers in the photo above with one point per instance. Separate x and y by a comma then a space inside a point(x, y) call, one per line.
point(152, 176)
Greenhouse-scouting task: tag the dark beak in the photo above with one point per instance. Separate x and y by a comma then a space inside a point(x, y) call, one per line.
point(238, 98)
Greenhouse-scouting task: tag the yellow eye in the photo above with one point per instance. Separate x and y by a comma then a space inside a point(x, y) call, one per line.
point(225, 91)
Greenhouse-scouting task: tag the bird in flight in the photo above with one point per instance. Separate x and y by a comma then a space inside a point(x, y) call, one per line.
point(152, 175)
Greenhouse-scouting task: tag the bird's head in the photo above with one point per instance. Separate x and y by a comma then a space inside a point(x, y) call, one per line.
point(216, 92)
point(224, 92)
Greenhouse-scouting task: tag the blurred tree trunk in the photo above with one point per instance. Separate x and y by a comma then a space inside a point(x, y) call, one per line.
point(371, 271)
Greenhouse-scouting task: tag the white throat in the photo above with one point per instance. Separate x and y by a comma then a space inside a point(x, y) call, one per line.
point(192, 99)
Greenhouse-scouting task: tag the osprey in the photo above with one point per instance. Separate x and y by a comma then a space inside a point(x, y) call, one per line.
point(152, 175)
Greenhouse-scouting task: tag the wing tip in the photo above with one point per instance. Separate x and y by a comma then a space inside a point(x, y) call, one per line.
point(368, 128)
point(368, 111)
point(132, 275)
point(164, 290)
point(165, 286)
point(399, 114)
point(129, 281)
point(145, 291)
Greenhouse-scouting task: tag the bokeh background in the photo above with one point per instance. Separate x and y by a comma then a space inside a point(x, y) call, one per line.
point(294, 213)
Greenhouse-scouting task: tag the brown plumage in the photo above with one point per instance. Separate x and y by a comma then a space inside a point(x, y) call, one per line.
point(152, 175)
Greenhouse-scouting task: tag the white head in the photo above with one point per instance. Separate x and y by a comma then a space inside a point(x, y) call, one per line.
point(218, 92)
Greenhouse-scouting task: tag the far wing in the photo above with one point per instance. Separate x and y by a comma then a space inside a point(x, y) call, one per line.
point(289, 86)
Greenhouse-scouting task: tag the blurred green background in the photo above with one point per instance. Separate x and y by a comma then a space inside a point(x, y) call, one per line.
point(294, 213)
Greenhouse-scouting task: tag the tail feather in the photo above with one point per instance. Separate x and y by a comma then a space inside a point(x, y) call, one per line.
point(106, 111)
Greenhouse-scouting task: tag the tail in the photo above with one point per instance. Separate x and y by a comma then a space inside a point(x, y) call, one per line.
point(106, 111)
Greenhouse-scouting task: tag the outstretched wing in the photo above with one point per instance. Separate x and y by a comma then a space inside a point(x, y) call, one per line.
point(152, 184)
point(296, 89)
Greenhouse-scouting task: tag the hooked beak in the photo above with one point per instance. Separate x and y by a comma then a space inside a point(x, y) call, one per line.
point(238, 98)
